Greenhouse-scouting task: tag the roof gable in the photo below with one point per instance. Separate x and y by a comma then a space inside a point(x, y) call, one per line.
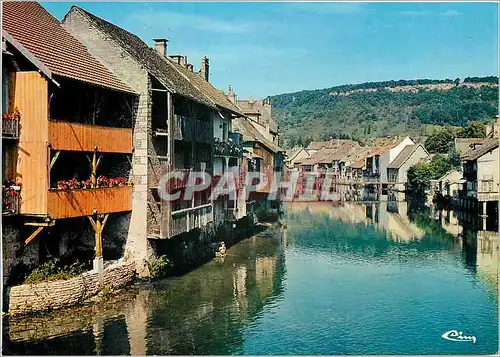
point(43, 36)
point(404, 155)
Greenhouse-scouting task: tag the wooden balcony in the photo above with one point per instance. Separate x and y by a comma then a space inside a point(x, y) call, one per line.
point(82, 137)
point(188, 129)
point(186, 220)
point(77, 203)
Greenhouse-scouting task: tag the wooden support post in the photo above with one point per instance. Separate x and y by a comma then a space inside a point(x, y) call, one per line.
point(94, 164)
point(98, 226)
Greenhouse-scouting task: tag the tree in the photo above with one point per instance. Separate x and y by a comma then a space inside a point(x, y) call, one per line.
point(473, 130)
point(440, 165)
point(421, 174)
point(440, 141)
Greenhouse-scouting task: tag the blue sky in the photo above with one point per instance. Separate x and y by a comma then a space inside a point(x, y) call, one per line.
point(270, 48)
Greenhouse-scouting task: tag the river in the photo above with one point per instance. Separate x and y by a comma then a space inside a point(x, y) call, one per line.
point(352, 278)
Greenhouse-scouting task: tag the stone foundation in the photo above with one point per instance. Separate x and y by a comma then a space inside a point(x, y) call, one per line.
point(52, 295)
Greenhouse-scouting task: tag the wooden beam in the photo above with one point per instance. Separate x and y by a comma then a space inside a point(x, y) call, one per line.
point(33, 235)
point(54, 159)
point(41, 224)
point(92, 222)
point(106, 216)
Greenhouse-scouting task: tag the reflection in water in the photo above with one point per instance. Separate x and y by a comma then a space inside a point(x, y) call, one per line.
point(345, 278)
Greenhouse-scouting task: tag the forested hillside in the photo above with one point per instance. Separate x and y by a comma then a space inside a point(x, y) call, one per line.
point(383, 108)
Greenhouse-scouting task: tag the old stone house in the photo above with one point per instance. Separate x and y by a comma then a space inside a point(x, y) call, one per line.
point(259, 112)
point(296, 156)
point(177, 115)
point(380, 158)
point(480, 170)
point(398, 169)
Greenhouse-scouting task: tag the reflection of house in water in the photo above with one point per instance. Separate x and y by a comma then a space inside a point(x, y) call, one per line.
point(198, 313)
point(265, 271)
point(487, 255)
point(449, 221)
point(388, 216)
point(481, 254)
point(393, 219)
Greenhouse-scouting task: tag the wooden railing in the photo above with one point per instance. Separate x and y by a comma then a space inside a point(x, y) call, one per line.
point(85, 202)
point(82, 137)
point(10, 128)
point(190, 218)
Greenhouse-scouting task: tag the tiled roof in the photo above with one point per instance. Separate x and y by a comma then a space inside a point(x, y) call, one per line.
point(463, 145)
point(323, 156)
point(43, 36)
point(208, 89)
point(292, 153)
point(380, 150)
point(359, 164)
point(157, 65)
point(357, 159)
point(403, 156)
point(250, 133)
point(329, 144)
point(486, 146)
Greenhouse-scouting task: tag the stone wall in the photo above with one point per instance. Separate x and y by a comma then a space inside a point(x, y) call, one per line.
point(62, 293)
point(106, 50)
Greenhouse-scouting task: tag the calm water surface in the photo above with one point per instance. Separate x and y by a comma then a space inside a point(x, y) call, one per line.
point(351, 279)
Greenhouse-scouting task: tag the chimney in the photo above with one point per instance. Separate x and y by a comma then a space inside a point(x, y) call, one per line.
point(231, 95)
point(161, 45)
point(204, 69)
point(179, 59)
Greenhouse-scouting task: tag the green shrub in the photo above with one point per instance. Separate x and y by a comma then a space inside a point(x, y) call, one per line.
point(51, 271)
point(159, 267)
